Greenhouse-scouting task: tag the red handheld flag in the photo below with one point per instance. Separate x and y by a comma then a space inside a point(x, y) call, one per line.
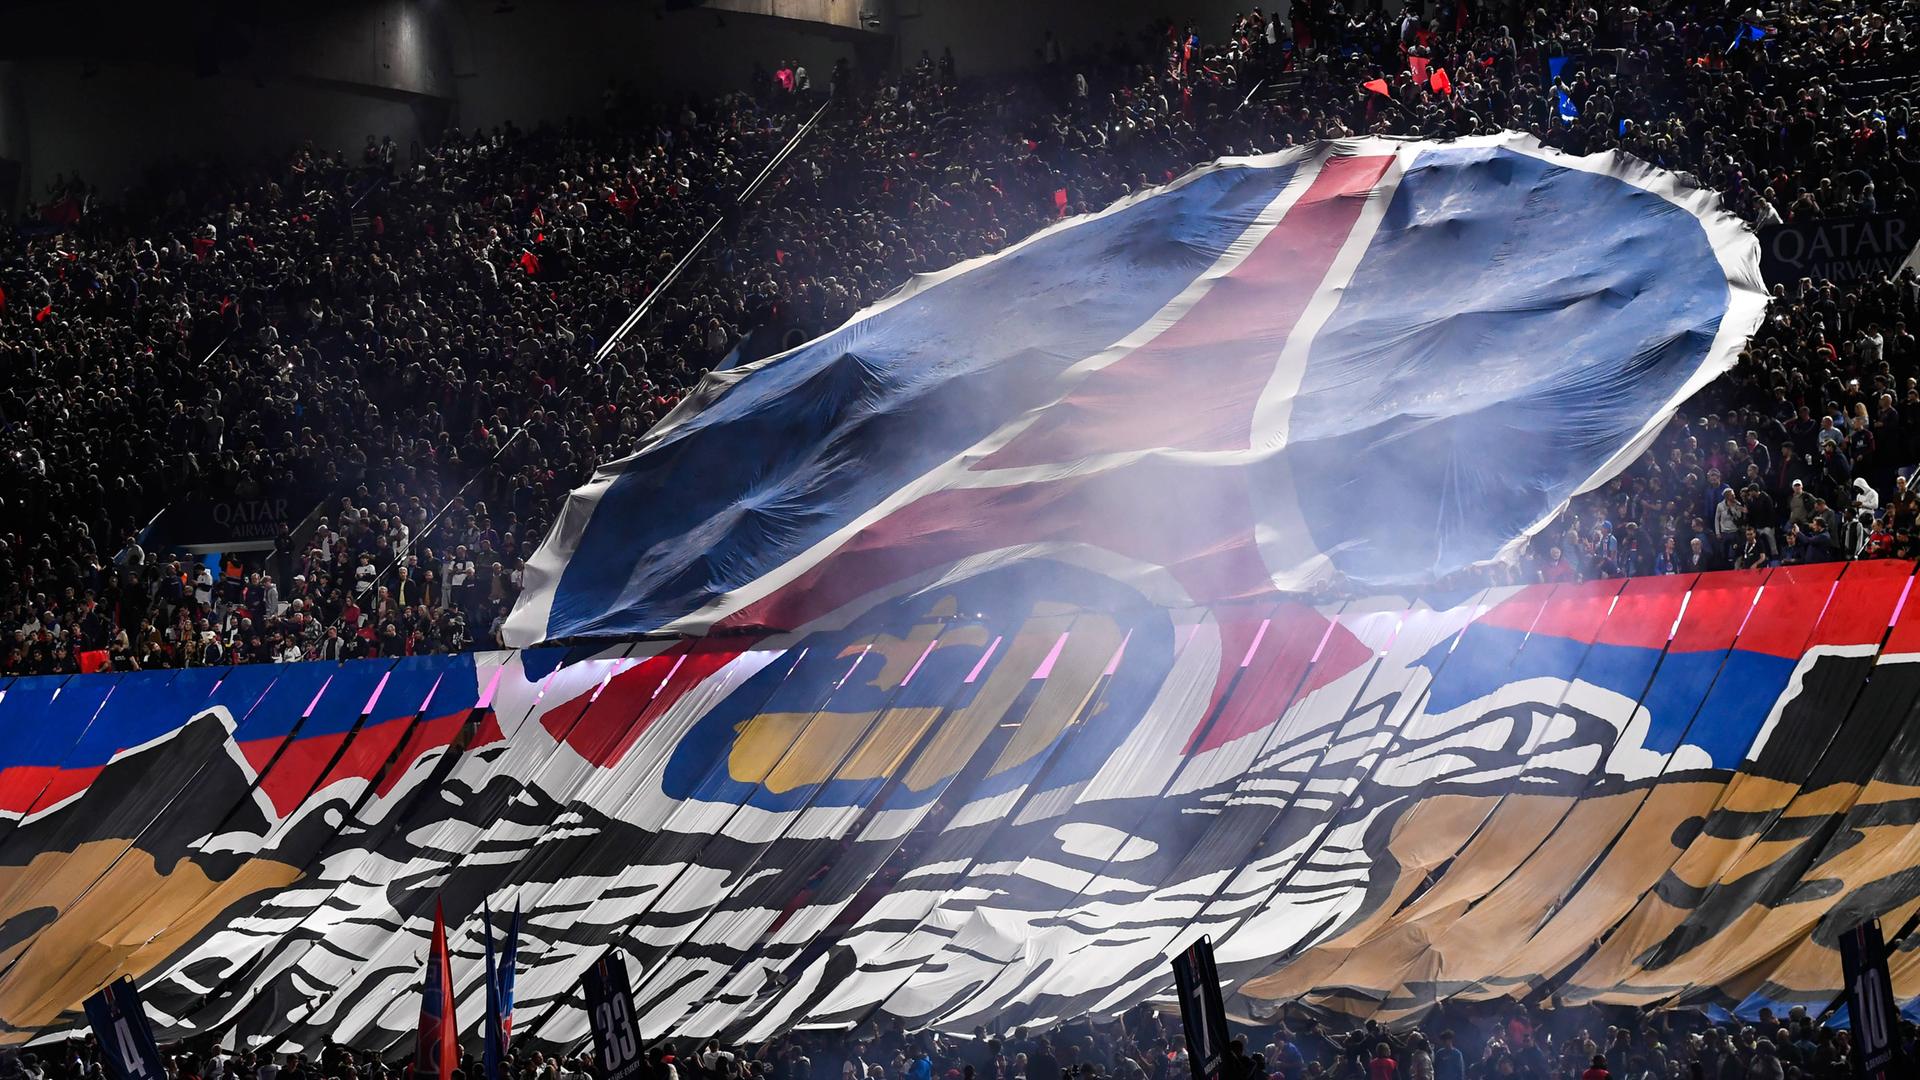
point(1378, 86)
point(1060, 201)
point(1441, 84)
point(438, 1050)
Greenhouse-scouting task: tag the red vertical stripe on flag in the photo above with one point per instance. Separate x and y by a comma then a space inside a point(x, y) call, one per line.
point(1195, 520)
point(1239, 327)
point(438, 1049)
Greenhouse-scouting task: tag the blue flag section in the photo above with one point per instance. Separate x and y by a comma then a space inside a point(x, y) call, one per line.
point(126, 1040)
point(1373, 361)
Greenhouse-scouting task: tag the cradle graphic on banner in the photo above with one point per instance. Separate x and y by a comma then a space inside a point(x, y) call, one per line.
point(1009, 798)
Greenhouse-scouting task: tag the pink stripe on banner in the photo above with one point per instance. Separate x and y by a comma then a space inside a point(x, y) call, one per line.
point(677, 661)
point(431, 690)
point(493, 684)
point(1399, 624)
point(855, 666)
point(984, 657)
point(1046, 666)
point(1902, 605)
point(1254, 645)
point(618, 666)
point(1317, 649)
point(368, 711)
point(1113, 665)
point(922, 660)
point(1220, 352)
point(316, 698)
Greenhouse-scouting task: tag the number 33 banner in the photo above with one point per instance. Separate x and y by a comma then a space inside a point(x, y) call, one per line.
point(126, 1042)
point(610, 1007)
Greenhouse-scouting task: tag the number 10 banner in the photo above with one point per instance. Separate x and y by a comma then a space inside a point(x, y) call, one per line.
point(1876, 1024)
point(126, 1041)
point(610, 1008)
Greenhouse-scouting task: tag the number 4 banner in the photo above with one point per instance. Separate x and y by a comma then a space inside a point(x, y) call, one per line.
point(126, 1041)
point(610, 1007)
point(1876, 1024)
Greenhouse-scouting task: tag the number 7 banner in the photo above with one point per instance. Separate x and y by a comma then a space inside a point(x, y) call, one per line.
point(126, 1041)
point(610, 1008)
point(1202, 1012)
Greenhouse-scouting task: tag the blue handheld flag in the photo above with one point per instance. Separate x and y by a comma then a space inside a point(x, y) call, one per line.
point(126, 1040)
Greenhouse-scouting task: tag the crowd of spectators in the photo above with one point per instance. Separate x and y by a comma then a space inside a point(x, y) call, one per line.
point(406, 336)
point(1485, 1041)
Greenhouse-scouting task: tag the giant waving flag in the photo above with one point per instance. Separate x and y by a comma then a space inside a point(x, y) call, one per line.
point(1370, 360)
point(1017, 703)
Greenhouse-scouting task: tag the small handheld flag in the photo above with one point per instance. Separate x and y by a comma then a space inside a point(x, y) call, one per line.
point(1441, 84)
point(1568, 113)
point(491, 1051)
point(509, 957)
point(438, 1049)
point(499, 1022)
point(1748, 32)
point(120, 1023)
point(1378, 86)
point(610, 1010)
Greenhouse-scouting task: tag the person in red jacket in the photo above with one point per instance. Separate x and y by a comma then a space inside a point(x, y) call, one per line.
point(1382, 1067)
point(1598, 1070)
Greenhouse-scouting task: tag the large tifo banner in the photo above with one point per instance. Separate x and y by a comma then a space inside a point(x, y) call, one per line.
point(1371, 360)
point(958, 810)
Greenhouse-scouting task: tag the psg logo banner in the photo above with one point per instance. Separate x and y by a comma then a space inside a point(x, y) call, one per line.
point(1366, 360)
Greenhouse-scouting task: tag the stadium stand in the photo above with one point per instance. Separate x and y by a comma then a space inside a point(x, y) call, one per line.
point(404, 336)
point(1468, 1042)
point(412, 342)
